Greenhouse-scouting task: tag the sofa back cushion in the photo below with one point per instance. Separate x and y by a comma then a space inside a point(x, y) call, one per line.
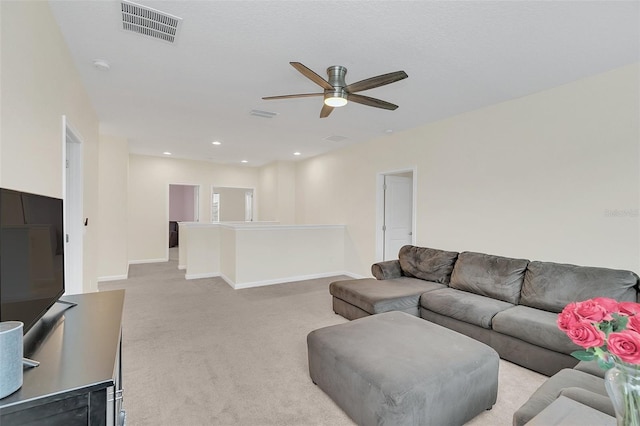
point(427, 263)
point(551, 286)
point(492, 276)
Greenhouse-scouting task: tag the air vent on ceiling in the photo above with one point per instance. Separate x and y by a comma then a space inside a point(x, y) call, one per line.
point(335, 138)
point(150, 22)
point(263, 114)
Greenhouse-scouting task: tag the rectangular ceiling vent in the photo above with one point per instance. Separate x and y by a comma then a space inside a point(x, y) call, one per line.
point(263, 114)
point(335, 138)
point(150, 22)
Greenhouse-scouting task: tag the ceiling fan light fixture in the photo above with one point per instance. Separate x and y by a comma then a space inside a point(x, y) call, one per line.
point(335, 101)
point(336, 91)
point(336, 98)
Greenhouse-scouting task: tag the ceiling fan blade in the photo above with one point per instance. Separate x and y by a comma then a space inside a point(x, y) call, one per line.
point(312, 75)
point(377, 81)
point(326, 110)
point(300, 95)
point(365, 100)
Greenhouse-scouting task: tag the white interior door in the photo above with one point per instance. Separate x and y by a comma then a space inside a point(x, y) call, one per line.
point(398, 214)
point(73, 222)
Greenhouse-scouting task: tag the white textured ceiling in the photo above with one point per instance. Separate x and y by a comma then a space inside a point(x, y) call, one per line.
point(459, 56)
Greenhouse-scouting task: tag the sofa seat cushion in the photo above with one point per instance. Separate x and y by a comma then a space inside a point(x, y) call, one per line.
point(463, 306)
point(552, 286)
point(534, 326)
point(492, 276)
point(427, 263)
point(376, 296)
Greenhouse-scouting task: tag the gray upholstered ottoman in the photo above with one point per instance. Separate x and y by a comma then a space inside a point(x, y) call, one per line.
point(397, 369)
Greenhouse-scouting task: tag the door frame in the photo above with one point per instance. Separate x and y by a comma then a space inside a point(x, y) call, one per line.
point(253, 201)
point(380, 207)
point(73, 212)
point(196, 208)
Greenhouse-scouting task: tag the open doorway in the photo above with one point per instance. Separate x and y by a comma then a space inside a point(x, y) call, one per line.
point(184, 206)
point(231, 204)
point(395, 212)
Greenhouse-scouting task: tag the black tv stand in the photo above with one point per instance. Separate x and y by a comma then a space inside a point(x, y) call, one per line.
point(79, 380)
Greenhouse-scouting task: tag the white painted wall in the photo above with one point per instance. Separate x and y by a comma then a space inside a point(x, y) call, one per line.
point(228, 253)
point(39, 85)
point(268, 190)
point(273, 254)
point(287, 192)
point(254, 254)
point(553, 176)
point(202, 250)
point(112, 212)
point(277, 192)
point(183, 244)
point(149, 179)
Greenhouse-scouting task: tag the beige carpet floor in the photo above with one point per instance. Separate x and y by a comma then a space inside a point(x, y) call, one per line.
point(197, 352)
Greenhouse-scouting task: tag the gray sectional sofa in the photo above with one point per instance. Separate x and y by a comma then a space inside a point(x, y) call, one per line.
point(509, 304)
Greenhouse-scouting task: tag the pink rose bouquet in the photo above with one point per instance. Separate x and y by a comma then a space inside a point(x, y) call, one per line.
point(608, 330)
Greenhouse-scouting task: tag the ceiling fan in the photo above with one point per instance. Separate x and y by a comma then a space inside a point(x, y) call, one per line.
point(337, 93)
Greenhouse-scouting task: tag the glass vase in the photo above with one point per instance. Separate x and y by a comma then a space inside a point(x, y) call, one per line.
point(623, 386)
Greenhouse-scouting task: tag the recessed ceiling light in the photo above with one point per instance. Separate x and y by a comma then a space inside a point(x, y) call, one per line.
point(166, 153)
point(244, 161)
point(296, 153)
point(216, 143)
point(101, 64)
point(335, 138)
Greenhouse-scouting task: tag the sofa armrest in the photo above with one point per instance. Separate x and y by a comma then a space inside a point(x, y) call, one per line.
point(594, 400)
point(386, 270)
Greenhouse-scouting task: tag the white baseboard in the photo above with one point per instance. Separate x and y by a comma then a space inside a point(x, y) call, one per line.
point(288, 279)
point(139, 261)
point(113, 278)
point(182, 267)
point(227, 280)
point(354, 276)
point(203, 275)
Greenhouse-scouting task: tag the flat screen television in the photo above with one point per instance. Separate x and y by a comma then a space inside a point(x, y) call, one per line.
point(31, 255)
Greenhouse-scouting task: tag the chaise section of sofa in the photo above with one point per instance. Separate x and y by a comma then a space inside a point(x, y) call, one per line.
point(398, 284)
point(362, 297)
